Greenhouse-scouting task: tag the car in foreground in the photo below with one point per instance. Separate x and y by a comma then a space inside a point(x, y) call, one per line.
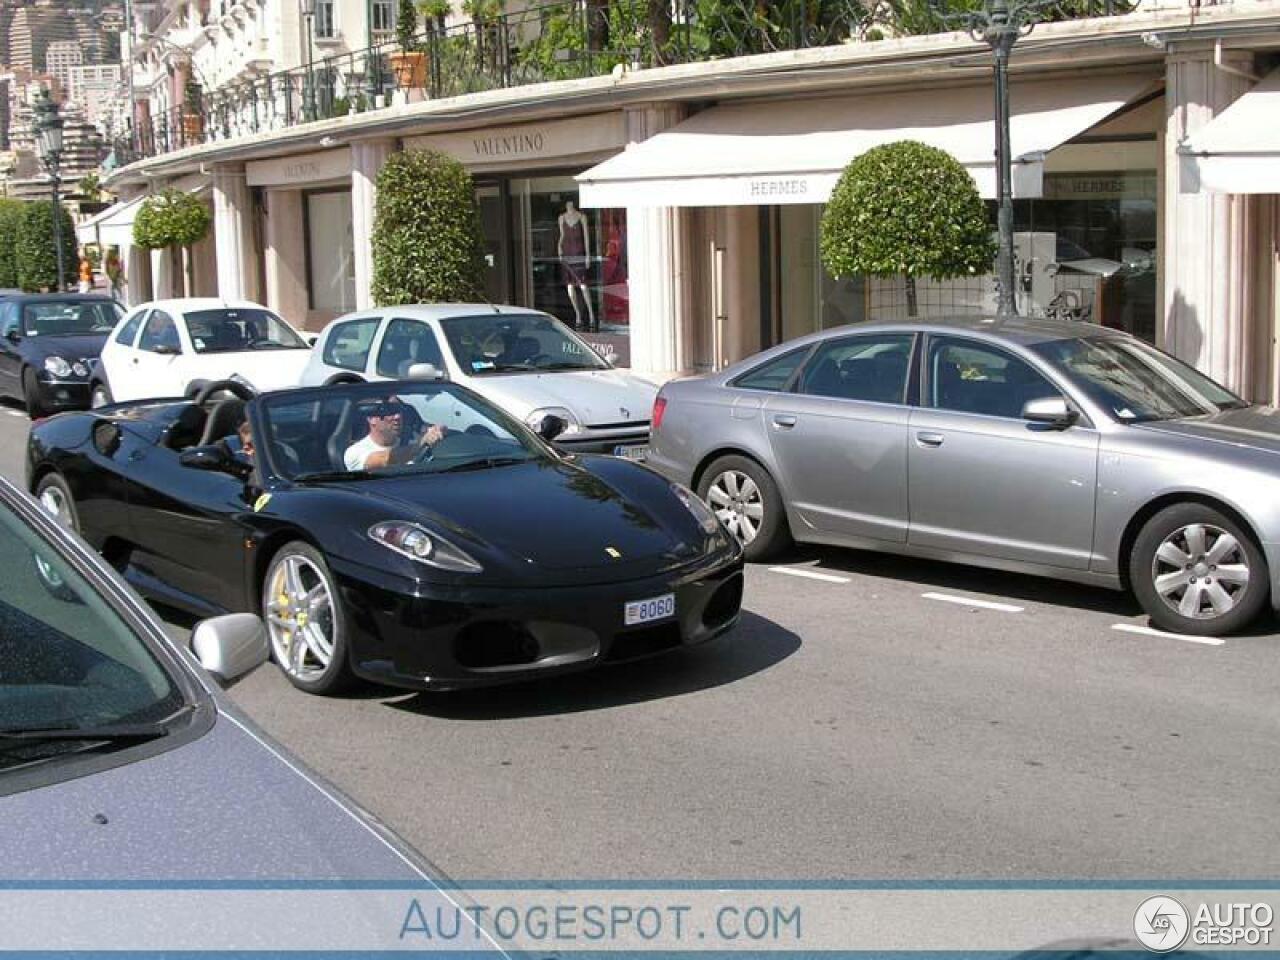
point(484, 558)
point(49, 347)
point(170, 348)
point(1061, 449)
point(528, 363)
point(122, 762)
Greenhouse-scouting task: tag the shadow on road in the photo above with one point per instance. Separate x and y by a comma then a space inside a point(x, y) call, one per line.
point(756, 644)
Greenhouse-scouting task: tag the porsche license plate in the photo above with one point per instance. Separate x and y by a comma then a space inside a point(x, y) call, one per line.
point(633, 451)
point(646, 611)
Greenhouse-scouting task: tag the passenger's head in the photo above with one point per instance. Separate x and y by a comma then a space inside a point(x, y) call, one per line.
point(246, 439)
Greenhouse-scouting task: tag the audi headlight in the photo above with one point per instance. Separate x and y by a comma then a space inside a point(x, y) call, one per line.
point(535, 418)
point(57, 366)
point(412, 541)
point(701, 512)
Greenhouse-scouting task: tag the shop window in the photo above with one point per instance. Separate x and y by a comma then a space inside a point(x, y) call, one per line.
point(331, 272)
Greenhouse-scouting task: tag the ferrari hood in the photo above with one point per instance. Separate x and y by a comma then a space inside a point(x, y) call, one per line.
point(594, 397)
point(554, 514)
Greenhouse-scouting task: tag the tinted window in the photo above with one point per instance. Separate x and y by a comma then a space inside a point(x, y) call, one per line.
point(160, 334)
point(405, 343)
point(347, 345)
point(516, 343)
point(8, 318)
point(129, 331)
point(870, 368)
point(774, 375)
point(972, 377)
point(233, 330)
point(60, 318)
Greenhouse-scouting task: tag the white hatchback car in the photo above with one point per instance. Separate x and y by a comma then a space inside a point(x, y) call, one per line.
point(528, 363)
point(170, 348)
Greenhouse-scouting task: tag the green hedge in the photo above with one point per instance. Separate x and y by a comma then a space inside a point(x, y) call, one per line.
point(906, 209)
point(173, 218)
point(10, 229)
point(36, 258)
point(427, 243)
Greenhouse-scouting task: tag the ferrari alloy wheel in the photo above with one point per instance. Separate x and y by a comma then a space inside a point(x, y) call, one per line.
point(304, 620)
point(1196, 572)
point(57, 501)
point(746, 500)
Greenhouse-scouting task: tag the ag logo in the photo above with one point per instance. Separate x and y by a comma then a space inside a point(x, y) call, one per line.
point(1161, 924)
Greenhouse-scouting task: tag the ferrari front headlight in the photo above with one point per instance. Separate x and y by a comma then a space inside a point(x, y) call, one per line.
point(416, 543)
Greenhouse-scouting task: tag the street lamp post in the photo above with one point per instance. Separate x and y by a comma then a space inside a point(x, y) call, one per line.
point(308, 13)
point(1000, 23)
point(49, 146)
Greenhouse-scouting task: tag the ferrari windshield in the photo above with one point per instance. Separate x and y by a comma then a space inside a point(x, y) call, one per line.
point(360, 431)
point(517, 343)
point(1134, 382)
point(59, 318)
point(233, 330)
point(68, 660)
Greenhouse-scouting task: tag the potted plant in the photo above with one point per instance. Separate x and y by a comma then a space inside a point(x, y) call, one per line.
point(192, 114)
point(410, 63)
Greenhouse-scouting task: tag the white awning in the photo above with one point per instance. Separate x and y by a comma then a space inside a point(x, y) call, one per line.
point(113, 225)
point(1239, 150)
point(794, 151)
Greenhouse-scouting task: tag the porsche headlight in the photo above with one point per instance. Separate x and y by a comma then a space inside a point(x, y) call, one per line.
point(564, 413)
point(412, 541)
point(701, 512)
point(57, 366)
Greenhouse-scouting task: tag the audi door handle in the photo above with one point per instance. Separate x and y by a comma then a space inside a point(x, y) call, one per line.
point(784, 421)
point(929, 439)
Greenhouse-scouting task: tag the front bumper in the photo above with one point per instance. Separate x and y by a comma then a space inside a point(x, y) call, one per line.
point(63, 394)
point(603, 439)
point(447, 638)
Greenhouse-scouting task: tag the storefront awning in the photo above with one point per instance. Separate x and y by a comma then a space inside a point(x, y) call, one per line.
point(794, 151)
point(1239, 150)
point(113, 225)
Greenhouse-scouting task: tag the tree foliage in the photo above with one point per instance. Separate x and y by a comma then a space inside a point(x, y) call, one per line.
point(173, 218)
point(10, 230)
point(906, 209)
point(427, 242)
point(36, 254)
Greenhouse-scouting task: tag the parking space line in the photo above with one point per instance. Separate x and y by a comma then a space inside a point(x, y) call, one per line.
point(970, 602)
point(1149, 632)
point(809, 574)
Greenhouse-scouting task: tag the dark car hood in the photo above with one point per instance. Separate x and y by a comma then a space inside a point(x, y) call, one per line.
point(1257, 427)
point(554, 514)
point(224, 807)
point(73, 347)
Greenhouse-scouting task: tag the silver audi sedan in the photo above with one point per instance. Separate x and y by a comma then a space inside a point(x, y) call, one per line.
point(1054, 448)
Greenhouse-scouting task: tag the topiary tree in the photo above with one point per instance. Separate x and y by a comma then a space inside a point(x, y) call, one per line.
point(427, 243)
point(10, 229)
point(906, 209)
point(36, 257)
point(171, 220)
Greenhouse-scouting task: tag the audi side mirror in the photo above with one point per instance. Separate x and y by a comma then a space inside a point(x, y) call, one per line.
point(230, 646)
point(1054, 411)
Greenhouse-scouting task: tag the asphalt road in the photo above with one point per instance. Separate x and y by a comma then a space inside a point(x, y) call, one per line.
point(851, 728)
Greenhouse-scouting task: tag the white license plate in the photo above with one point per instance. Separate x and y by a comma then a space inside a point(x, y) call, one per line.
point(635, 451)
point(646, 611)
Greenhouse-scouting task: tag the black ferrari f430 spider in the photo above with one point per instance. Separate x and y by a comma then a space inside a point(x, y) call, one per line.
point(409, 533)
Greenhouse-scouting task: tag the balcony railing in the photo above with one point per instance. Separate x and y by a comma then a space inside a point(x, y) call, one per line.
point(570, 39)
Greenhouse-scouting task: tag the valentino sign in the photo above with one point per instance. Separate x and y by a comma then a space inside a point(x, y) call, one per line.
point(530, 141)
point(516, 144)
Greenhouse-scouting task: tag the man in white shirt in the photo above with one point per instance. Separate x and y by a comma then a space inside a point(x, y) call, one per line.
point(381, 447)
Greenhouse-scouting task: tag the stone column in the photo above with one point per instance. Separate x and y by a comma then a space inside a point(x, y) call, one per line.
point(657, 255)
point(1207, 238)
point(233, 230)
point(367, 158)
point(286, 264)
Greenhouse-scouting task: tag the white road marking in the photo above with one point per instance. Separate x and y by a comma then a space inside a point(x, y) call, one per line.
point(808, 574)
point(1149, 632)
point(970, 602)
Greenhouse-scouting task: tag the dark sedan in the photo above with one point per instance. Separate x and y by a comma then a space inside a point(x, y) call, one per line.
point(49, 345)
point(409, 533)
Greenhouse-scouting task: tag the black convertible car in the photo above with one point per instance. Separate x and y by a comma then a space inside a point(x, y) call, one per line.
point(409, 533)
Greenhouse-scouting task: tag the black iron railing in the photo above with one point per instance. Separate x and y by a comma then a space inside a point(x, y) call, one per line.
point(565, 40)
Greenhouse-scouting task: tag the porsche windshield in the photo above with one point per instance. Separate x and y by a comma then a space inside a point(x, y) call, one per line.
point(369, 430)
point(230, 331)
point(1136, 383)
point(516, 343)
point(68, 661)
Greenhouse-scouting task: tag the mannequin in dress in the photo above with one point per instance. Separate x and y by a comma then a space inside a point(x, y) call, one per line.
point(574, 250)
